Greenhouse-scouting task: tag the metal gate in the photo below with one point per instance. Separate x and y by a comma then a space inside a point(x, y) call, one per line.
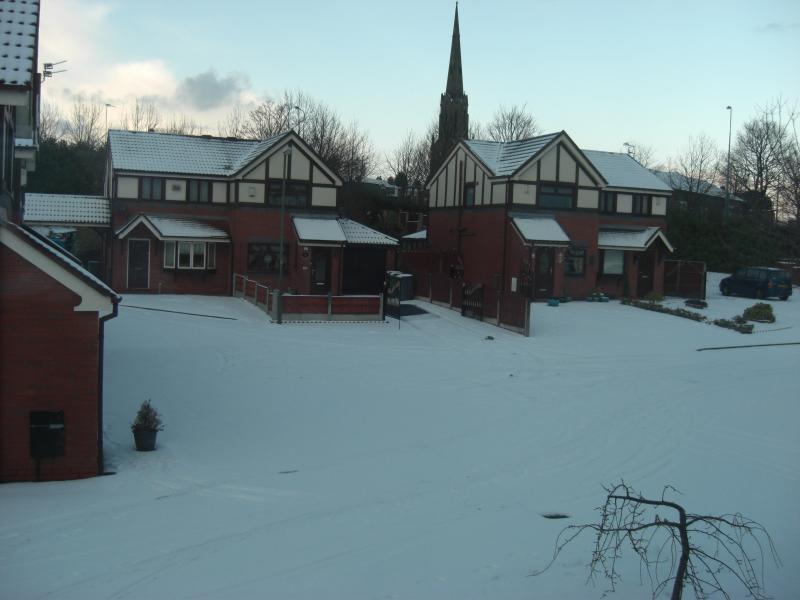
point(472, 301)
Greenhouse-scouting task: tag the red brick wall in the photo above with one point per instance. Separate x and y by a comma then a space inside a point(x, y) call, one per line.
point(48, 361)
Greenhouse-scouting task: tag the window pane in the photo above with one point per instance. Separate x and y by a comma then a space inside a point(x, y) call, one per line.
point(204, 185)
point(198, 255)
point(575, 262)
point(155, 188)
point(555, 201)
point(613, 262)
point(469, 195)
point(169, 255)
point(184, 255)
point(263, 257)
point(212, 256)
point(192, 191)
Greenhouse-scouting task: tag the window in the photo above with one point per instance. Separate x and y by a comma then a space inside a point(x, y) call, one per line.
point(296, 193)
point(469, 194)
point(169, 255)
point(608, 202)
point(191, 255)
point(199, 191)
point(613, 262)
point(263, 257)
point(641, 204)
point(575, 261)
point(555, 196)
point(151, 188)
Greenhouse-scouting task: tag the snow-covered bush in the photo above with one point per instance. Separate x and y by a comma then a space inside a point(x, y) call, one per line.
point(761, 312)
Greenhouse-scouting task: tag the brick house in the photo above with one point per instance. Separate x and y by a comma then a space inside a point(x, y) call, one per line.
point(544, 218)
point(189, 212)
point(52, 316)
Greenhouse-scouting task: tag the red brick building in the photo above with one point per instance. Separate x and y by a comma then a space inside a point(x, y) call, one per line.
point(543, 218)
point(189, 212)
point(52, 315)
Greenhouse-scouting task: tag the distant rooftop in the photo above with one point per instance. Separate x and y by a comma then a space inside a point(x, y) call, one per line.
point(19, 28)
point(677, 181)
point(621, 170)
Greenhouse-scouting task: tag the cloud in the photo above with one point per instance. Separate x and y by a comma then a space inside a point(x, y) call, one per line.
point(775, 27)
point(206, 90)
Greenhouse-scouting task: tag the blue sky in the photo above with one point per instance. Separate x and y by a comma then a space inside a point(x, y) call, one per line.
point(606, 72)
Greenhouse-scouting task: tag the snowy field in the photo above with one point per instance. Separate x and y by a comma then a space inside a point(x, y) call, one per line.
point(353, 461)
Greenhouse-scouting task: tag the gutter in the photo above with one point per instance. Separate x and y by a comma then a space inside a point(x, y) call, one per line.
point(101, 352)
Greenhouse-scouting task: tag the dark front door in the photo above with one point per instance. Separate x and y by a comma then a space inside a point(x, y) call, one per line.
point(138, 264)
point(644, 279)
point(543, 273)
point(320, 270)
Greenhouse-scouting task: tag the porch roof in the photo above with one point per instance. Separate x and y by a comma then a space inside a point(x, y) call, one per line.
point(66, 209)
point(170, 228)
point(635, 239)
point(541, 230)
point(330, 230)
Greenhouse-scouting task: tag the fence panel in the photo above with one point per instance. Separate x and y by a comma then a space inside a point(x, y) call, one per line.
point(685, 279)
point(472, 301)
point(440, 287)
point(514, 311)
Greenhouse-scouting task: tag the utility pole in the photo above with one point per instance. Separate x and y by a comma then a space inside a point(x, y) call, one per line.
point(728, 174)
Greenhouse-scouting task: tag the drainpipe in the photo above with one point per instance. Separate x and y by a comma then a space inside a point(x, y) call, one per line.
point(101, 352)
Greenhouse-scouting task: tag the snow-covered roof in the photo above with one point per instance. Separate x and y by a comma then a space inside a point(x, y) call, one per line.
point(171, 228)
point(356, 233)
point(19, 28)
point(332, 230)
point(504, 158)
point(150, 151)
point(543, 230)
point(57, 253)
point(622, 171)
point(417, 235)
point(677, 181)
point(637, 239)
point(62, 209)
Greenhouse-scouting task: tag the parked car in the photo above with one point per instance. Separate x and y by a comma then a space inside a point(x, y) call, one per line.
point(758, 282)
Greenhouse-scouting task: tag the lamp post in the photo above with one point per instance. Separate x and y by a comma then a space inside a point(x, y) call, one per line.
point(728, 174)
point(107, 107)
point(287, 154)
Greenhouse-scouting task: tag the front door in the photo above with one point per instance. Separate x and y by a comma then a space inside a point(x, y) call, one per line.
point(138, 264)
point(321, 270)
point(644, 279)
point(543, 273)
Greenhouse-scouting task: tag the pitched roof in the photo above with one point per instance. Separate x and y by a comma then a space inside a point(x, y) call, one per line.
point(171, 228)
point(630, 238)
point(334, 230)
point(54, 252)
point(184, 154)
point(621, 170)
point(66, 209)
point(19, 29)
point(504, 158)
point(422, 234)
point(678, 181)
point(542, 229)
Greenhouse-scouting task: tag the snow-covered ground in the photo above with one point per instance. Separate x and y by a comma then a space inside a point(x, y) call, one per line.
point(366, 461)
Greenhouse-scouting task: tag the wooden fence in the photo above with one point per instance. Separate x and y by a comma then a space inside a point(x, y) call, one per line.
point(685, 279)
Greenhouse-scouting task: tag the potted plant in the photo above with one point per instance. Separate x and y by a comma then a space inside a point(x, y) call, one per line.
point(145, 427)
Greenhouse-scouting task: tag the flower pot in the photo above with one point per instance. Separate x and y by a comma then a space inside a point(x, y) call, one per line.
point(145, 440)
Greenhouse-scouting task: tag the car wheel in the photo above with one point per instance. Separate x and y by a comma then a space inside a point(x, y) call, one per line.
point(784, 298)
point(726, 291)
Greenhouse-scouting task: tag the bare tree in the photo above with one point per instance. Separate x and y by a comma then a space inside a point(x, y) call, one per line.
point(181, 124)
point(688, 550)
point(641, 153)
point(51, 123)
point(411, 157)
point(512, 123)
point(142, 116)
point(694, 170)
point(85, 123)
point(233, 125)
point(788, 186)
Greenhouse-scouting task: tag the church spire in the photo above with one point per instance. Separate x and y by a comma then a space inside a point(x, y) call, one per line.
point(455, 82)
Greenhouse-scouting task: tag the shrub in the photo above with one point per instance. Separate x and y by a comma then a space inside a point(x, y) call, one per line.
point(728, 324)
point(654, 297)
point(761, 311)
point(147, 419)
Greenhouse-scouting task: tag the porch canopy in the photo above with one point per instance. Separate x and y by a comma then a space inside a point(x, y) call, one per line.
point(333, 231)
point(541, 230)
point(66, 210)
point(636, 239)
point(174, 229)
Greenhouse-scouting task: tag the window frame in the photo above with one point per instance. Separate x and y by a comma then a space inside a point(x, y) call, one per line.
point(645, 204)
point(275, 188)
point(604, 270)
point(168, 253)
point(147, 185)
point(613, 197)
point(208, 250)
point(198, 185)
point(541, 193)
point(274, 248)
point(469, 187)
point(575, 252)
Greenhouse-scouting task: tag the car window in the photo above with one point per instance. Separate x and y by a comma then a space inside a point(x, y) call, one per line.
point(780, 277)
point(740, 274)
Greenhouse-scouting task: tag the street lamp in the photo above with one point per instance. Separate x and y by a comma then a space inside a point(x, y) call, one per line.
point(107, 107)
point(728, 174)
point(287, 154)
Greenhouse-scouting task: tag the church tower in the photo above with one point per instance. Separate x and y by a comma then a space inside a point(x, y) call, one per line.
point(453, 108)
